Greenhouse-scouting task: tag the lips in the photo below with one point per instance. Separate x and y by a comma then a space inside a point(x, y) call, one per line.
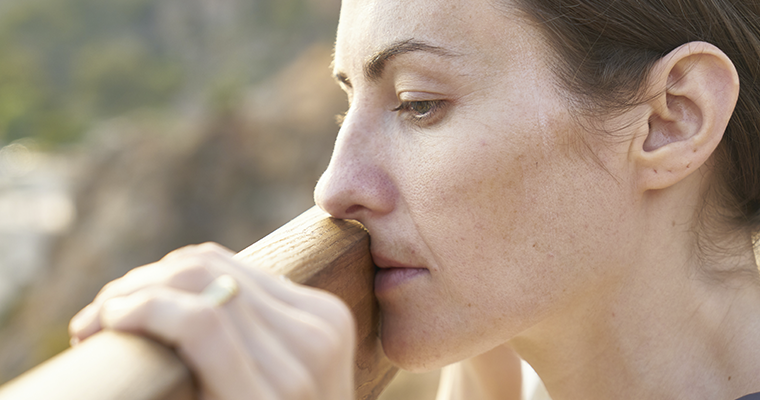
point(392, 274)
point(383, 262)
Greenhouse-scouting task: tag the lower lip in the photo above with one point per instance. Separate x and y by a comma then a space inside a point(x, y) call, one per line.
point(388, 278)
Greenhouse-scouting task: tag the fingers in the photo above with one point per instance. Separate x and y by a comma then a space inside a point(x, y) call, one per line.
point(318, 302)
point(308, 334)
point(192, 268)
point(189, 268)
point(272, 339)
point(281, 364)
point(198, 330)
point(185, 275)
point(265, 359)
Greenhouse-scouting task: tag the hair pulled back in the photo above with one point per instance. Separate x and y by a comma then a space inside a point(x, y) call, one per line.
point(606, 49)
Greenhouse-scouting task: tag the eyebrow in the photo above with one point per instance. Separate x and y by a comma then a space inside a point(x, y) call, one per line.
point(375, 66)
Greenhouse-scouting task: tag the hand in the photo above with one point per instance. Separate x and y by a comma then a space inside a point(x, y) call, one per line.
point(273, 340)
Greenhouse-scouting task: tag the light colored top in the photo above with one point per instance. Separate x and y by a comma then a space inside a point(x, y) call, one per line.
point(532, 387)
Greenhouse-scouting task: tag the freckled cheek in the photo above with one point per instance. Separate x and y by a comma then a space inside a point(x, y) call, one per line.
point(469, 202)
point(478, 215)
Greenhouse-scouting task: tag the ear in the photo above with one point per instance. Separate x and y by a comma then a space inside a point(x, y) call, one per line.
point(695, 90)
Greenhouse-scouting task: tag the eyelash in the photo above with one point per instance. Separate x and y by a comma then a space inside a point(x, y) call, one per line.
point(408, 108)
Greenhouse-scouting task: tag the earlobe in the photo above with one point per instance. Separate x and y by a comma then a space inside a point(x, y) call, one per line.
point(695, 88)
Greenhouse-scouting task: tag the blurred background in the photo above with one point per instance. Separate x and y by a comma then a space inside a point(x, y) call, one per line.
point(129, 128)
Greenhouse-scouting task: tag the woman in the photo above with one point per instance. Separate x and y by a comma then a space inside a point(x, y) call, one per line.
point(568, 178)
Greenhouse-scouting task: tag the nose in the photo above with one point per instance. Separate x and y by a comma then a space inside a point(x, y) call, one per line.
point(357, 184)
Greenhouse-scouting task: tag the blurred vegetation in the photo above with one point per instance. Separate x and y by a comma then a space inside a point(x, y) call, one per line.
point(161, 123)
point(66, 63)
point(198, 120)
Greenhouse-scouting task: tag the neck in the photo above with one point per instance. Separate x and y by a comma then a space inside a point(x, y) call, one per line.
point(661, 330)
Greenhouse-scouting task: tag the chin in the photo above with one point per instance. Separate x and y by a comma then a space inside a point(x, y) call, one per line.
point(407, 361)
point(412, 351)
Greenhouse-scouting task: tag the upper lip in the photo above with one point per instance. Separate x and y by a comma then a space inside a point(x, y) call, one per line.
point(383, 262)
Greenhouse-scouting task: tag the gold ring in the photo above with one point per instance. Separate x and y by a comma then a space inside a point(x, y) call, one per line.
point(220, 290)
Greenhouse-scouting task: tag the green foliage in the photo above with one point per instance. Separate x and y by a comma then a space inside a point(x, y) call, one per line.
point(66, 63)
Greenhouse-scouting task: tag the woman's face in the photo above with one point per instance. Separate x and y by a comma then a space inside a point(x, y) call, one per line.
point(460, 156)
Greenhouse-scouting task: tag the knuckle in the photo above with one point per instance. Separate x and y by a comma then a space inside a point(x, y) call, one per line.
point(108, 288)
point(176, 253)
point(205, 249)
point(120, 285)
point(196, 249)
point(213, 247)
point(189, 274)
point(139, 273)
point(197, 256)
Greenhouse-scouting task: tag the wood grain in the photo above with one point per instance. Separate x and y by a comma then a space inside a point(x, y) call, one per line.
point(313, 249)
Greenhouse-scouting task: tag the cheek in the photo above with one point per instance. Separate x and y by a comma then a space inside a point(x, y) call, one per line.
point(472, 206)
point(509, 215)
point(473, 201)
point(496, 214)
point(470, 196)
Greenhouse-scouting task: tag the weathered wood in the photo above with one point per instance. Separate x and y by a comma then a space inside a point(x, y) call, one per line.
point(110, 365)
point(333, 255)
point(313, 249)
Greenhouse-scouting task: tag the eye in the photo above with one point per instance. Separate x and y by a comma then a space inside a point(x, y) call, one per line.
point(421, 107)
point(421, 111)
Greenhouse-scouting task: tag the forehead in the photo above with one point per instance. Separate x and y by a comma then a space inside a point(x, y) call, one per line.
point(465, 27)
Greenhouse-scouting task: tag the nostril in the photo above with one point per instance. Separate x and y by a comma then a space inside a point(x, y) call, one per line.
point(354, 209)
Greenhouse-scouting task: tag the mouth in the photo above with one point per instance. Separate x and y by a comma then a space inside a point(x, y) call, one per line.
point(386, 263)
point(391, 274)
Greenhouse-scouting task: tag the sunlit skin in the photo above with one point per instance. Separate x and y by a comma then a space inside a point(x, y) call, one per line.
point(500, 217)
point(489, 192)
point(528, 223)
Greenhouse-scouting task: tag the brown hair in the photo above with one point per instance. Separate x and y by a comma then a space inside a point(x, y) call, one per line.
point(606, 48)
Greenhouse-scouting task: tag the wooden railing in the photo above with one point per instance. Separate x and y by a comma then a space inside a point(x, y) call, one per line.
point(312, 249)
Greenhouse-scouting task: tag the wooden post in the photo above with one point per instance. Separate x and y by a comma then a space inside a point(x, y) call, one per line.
point(312, 249)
